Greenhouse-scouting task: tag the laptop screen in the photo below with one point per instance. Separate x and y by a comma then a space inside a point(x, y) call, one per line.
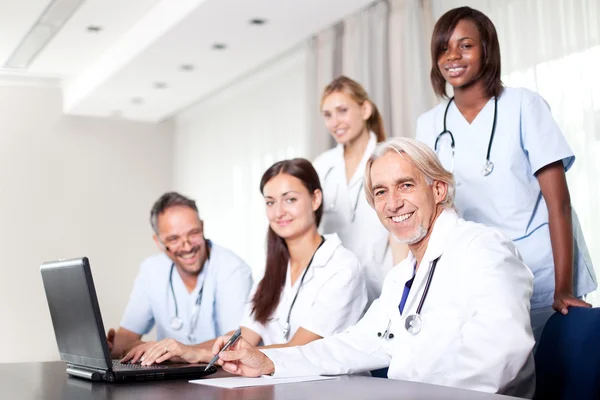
point(75, 313)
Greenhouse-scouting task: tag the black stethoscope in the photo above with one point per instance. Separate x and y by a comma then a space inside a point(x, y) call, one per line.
point(413, 322)
point(488, 166)
point(286, 328)
point(177, 321)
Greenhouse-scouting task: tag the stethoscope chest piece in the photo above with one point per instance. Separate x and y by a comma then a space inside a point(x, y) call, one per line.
point(413, 324)
point(286, 330)
point(176, 323)
point(487, 168)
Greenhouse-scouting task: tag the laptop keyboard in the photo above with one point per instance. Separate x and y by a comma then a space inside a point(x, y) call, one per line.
point(136, 366)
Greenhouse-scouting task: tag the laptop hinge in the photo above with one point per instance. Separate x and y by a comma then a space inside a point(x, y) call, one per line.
point(85, 373)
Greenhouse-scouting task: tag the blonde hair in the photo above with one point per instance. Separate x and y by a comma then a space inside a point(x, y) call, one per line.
point(422, 157)
point(343, 84)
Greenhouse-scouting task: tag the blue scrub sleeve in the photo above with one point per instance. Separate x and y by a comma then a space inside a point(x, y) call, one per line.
point(138, 316)
point(542, 139)
point(231, 297)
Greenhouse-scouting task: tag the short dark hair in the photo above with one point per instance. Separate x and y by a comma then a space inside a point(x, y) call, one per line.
point(168, 200)
point(490, 64)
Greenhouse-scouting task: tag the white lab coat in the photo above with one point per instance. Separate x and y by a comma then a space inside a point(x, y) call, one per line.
point(332, 297)
point(347, 213)
point(476, 331)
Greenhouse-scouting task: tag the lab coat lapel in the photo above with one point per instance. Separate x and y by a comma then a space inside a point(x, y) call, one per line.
point(405, 272)
point(323, 255)
point(339, 170)
point(442, 229)
point(359, 174)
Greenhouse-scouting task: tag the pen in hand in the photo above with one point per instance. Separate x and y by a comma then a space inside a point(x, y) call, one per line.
point(229, 343)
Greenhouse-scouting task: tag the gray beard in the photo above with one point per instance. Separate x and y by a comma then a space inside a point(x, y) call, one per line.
point(420, 233)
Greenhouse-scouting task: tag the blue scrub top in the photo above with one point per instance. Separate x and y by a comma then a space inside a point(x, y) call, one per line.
point(527, 139)
point(227, 282)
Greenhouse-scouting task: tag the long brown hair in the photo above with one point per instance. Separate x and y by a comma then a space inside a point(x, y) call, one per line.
point(358, 93)
point(490, 64)
point(269, 289)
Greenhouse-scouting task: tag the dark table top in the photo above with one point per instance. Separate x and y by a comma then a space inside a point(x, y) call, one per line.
point(48, 380)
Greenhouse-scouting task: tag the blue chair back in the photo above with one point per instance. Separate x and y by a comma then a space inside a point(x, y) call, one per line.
point(380, 373)
point(567, 359)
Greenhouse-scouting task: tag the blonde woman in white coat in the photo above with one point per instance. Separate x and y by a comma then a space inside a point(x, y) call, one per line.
point(357, 126)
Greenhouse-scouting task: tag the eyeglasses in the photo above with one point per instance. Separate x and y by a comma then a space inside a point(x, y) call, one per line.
point(174, 242)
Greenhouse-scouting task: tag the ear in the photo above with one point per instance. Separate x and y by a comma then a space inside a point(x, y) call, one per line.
point(158, 243)
point(367, 110)
point(317, 199)
point(440, 191)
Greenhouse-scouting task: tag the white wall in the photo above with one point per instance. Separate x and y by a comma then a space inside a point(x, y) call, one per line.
point(70, 187)
point(224, 144)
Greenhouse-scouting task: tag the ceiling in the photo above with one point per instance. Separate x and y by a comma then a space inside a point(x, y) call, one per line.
point(132, 67)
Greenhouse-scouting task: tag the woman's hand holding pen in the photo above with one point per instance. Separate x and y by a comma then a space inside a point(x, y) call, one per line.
point(242, 358)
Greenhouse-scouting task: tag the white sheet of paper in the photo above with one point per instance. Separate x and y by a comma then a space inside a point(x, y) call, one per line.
point(239, 382)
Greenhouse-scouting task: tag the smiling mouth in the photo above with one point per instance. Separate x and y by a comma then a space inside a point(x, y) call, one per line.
point(455, 71)
point(190, 254)
point(402, 218)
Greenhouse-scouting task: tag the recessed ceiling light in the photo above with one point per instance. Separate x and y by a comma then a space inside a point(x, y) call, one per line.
point(219, 46)
point(160, 85)
point(94, 28)
point(258, 21)
point(137, 100)
point(187, 67)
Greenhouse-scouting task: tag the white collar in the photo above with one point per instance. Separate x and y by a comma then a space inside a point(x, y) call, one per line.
point(360, 170)
point(323, 255)
point(442, 229)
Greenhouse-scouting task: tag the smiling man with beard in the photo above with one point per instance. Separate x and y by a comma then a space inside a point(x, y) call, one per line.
point(193, 291)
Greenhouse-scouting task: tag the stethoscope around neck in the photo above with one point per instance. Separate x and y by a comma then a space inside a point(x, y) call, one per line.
point(413, 322)
point(331, 206)
point(286, 327)
point(177, 321)
point(488, 167)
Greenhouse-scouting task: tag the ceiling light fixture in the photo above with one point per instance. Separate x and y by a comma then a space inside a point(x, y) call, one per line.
point(258, 21)
point(43, 30)
point(160, 85)
point(187, 67)
point(94, 28)
point(219, 46)
point(137, 100)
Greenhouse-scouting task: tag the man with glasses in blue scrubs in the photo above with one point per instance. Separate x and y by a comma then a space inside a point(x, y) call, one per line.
point(193, 291)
